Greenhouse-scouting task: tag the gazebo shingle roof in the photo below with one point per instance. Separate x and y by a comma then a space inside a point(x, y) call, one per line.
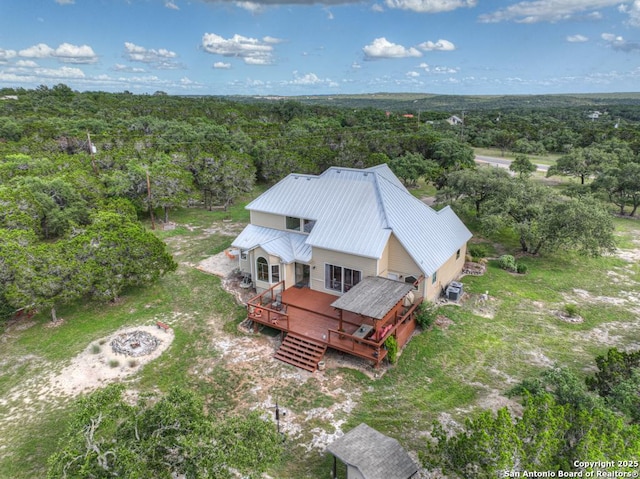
point(375, 455)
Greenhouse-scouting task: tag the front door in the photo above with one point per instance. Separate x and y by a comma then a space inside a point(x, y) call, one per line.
point(303, 273)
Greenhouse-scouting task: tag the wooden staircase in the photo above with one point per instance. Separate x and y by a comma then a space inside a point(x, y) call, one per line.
point(301, 352)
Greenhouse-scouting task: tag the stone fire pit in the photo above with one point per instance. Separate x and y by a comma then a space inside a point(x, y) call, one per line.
point(136, 343)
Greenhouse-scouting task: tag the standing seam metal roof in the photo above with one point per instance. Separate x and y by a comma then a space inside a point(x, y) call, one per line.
point(357, 210)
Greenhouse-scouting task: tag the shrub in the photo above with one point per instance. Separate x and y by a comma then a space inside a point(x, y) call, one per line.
point(521, 268)
point(508, 262)
point(392, 349)
point(571, 310)
point(133, 363)
point(426, 314)
point(477, 251)
point(114, 363)
point(95, 349)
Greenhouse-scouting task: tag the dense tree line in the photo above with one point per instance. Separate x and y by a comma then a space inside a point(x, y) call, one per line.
point(564, 420)
point(72, 163)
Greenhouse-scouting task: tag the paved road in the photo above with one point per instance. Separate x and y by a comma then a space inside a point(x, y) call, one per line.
point(502, 163)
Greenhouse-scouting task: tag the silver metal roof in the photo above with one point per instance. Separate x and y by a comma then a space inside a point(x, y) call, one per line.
point(375, 455)
point(356, 211)
point(286, 245)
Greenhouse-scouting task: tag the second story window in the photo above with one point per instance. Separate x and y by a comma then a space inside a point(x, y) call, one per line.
point(293, 223)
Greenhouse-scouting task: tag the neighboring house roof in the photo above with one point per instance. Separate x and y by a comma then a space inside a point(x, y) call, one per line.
point(286, 245)
point(373, 297)
point(375, 455)
point(356, 211)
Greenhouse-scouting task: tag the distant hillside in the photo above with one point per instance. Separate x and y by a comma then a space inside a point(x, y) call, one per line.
point(413, 102)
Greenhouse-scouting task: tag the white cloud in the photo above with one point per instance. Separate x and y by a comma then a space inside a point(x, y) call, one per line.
point(251, 50)
point(413, 74)
point(252, 7)
point(222, 65)
point(171, 5)
point(66, 53)
point(440, 45)
point(41, 50)
point(272, 40)
point(161, 58)
point(430, 6)
point(447, 70)
point(577, 38)
point(548, 10)
point(69, 53)
point(26, 64)
point(310, 79)
point(65, 2)
point(63, 72)
point(7, 54)
point(633, 10)
point(383, 48)
point(119, 67)
point(618, 43)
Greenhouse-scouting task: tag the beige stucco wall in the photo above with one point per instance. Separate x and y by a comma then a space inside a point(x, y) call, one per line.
point(267, 220)
point(368, 266)
point(448, 272)
point(289, 272)
point(398, 260)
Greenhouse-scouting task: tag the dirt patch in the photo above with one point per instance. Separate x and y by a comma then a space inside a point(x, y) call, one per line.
point(95, 367)
point(442, 322)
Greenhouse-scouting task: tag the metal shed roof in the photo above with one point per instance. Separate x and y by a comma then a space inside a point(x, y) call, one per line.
point(375, 455)
point(373, 297)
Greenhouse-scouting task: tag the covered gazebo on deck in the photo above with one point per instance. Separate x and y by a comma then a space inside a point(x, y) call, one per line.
point(379, 299)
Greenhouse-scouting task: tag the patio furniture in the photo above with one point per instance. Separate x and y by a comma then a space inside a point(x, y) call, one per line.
point(363, 331)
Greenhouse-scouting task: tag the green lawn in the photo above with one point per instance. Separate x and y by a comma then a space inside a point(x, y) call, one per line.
point(452, 370)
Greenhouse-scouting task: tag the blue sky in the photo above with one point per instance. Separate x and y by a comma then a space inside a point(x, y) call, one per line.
point(307, 47)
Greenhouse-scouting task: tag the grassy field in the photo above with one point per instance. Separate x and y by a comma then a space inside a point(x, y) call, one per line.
point(468, 362)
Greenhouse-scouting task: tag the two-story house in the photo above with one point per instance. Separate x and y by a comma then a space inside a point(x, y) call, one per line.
point(344, 258)
point(330, 231)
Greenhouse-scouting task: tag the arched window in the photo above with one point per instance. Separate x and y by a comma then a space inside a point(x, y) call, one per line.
point(263, 269)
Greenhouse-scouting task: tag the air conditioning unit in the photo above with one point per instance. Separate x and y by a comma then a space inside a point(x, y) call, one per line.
point(453, 293)
point(457, 284)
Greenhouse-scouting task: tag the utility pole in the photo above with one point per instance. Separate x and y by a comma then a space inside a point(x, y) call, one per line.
point(153, 223)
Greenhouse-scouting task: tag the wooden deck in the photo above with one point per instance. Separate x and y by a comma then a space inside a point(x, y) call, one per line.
point(309, 313)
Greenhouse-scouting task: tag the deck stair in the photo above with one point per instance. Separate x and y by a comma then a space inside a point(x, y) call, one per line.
point(301, 352)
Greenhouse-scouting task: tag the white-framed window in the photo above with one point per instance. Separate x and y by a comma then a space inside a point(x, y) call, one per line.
point(292, 223)
point(275, 273)
point(434, 277)
point(262, 269)
point(337, 278)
